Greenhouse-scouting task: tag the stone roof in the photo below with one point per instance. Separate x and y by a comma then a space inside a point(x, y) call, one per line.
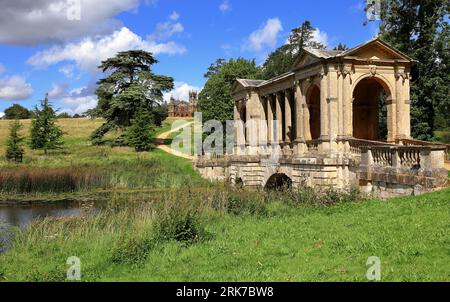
point(249, 83)
point(323, 53)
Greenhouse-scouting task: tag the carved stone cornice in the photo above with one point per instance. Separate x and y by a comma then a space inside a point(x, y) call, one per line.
point(345, 70)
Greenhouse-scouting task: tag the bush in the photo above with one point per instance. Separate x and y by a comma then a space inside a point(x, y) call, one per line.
point(180, 221)
point(132, 248)
point(312, 197)
point(241, 203)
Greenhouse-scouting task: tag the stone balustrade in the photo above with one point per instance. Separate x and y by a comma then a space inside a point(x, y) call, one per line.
point(414, 142)
point(402, 170)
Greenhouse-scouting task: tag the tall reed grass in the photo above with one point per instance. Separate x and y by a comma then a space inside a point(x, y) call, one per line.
point(29, 180)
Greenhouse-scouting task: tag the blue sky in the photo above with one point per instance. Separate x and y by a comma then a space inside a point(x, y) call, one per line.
point(45, 47)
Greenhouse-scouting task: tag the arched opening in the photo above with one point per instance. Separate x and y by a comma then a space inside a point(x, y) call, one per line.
point(278, 182)
point(370, 110)
point(313, 102)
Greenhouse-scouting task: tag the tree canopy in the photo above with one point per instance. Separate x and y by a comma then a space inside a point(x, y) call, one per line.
point(281, 60)
point(215, 101)
point(17, 112)
point(45, 134)
point(14, 144)
point(129, 87)
point(420, 29)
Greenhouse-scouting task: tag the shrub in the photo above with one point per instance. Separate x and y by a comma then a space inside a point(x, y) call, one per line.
point(241, 203)
point(180, 221)
point(132, 248)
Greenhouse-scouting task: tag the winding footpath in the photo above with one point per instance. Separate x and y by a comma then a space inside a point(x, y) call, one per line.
point(160, 141)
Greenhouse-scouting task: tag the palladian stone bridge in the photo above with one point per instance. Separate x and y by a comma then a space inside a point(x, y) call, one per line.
point(322, 120)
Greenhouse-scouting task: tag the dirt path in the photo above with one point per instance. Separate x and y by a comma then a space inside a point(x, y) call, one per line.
point(160, 141)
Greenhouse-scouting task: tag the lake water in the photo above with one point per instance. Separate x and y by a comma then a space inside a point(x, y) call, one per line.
point(21, 216)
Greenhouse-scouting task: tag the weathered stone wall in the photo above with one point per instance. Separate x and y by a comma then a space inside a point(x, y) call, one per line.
point(324, 172)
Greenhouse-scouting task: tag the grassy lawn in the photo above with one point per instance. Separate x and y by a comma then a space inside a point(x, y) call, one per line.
point(164, 223)
point(286, 243)
point(109, 168)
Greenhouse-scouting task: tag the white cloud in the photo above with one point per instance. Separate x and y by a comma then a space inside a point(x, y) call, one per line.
point(68, 70)
point(174, 16)
point(266, 36)
point(2, 69)
point(225, 6)
point(44, 21)
point(79, 100)
point(15, 88)
point(2, 114)
point(181, 91)
point(88, 53)
point(57, 91)
point(320, 37)
point(167, 29)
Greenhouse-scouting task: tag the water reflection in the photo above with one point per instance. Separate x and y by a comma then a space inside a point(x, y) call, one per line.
point(22, 216)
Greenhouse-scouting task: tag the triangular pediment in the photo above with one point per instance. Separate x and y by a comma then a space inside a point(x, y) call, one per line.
point(376, 50)
point(305, 59)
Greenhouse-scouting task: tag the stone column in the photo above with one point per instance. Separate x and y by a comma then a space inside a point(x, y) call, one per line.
point(236, 128)
point(270, 133)
point(288, 115)
point(333, 111)
point(300, 116)
point(347, 104)
point(341, 116)
point(279, 113)
point(407, 108)
point(324, 114)
point(403, 125)
point(392, 117)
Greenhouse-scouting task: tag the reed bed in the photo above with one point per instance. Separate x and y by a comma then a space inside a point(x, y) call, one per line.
point(29, 180)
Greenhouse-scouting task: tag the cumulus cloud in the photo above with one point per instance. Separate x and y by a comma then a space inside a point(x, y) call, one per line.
point(89, 52)
point(167, 29)
point(181, 91)
point(15, 88)
point(2, 114)
point(320, 37)
point(225, 6)
point(27, 22)
point(68, 70)
point(174, 16)
point(265, 36)
point(79, 100)
point(57, 90)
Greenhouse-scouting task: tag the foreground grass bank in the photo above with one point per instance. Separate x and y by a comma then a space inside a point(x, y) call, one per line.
point(219, 235)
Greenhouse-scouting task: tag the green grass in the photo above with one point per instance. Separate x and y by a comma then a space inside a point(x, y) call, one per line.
point(112, 168)
point(163, 222)
point(284, 243)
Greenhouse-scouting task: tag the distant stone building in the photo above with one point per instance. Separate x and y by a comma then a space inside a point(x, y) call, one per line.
point(178, 108)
